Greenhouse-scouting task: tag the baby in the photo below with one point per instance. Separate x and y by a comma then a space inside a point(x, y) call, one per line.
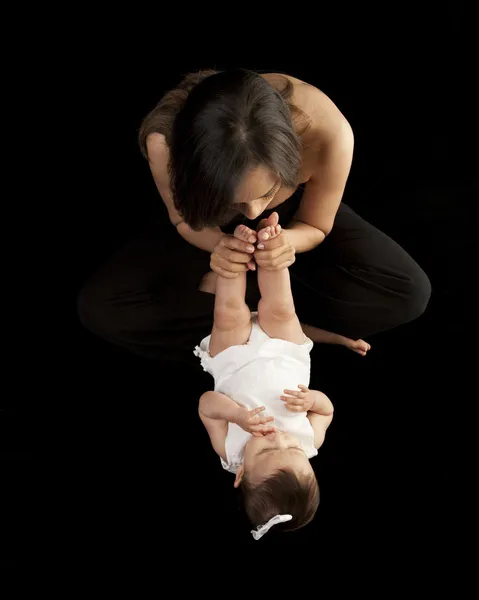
point(262, 420)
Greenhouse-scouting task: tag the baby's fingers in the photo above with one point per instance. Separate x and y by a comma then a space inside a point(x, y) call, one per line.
point(262, 429)
point(266, 419)
point(294, 393)
point(298, 407)
point(255, 411)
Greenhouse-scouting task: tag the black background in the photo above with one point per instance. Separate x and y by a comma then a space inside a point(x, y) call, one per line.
point(124, 470)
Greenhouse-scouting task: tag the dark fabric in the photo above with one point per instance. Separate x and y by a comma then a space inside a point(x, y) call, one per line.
point(356, 283)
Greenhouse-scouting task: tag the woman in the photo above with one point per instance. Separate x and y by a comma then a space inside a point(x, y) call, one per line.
point(234, 146)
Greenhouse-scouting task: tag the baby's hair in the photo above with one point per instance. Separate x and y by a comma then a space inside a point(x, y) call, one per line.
point(282, 493)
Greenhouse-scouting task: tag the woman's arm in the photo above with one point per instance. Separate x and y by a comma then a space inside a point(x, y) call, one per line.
point(323, 192)
point(158, 156)
point(206, 239)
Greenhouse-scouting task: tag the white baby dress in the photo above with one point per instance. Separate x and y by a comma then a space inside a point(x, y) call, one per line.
point(256, 374)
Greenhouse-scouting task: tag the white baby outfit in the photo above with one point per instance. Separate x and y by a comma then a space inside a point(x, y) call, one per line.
point(256, 374)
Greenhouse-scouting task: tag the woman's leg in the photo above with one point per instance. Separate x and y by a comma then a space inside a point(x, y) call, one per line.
point(145, 298)
point(358, 281)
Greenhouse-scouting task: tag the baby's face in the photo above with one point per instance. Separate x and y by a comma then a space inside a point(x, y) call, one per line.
point(266, 454)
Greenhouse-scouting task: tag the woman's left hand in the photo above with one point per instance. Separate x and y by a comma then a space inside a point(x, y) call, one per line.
point(280, 257)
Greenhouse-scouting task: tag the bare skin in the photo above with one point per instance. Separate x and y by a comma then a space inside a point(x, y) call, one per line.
point(271, 230)
point(327, 148)
point(321, 113)
point(269, 448)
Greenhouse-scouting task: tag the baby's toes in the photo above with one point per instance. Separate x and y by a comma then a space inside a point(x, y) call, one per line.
point(264, 234)
point(274, 231)
point(245, 233)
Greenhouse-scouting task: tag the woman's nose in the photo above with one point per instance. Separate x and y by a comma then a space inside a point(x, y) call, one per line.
point(253, 211)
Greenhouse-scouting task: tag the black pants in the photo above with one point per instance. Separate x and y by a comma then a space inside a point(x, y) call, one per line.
point(356, 283)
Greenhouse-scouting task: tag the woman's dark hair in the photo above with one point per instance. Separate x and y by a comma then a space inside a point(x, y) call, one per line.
point(282, 493)
point(225, 124)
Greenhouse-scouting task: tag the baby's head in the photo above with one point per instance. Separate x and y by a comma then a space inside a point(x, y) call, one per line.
point(276, 478)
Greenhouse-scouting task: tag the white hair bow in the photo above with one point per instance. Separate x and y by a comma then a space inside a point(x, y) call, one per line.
point(262, 529)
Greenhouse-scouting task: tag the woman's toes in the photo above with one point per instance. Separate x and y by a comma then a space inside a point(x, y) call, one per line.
point(363, 346)
point(359, 346)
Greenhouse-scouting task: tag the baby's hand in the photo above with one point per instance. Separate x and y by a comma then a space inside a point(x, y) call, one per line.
point(298, 401)
point(250, 421)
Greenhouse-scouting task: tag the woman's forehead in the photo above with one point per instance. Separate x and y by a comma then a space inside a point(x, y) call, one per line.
point(256, 184)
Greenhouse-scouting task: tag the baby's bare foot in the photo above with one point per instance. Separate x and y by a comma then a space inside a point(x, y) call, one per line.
point(267, 234)
point(359, 346)
point(245, 233)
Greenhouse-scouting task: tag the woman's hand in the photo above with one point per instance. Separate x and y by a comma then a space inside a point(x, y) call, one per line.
point(280, 256)
point(250, 421)
point(232, 256)
point(298, 401)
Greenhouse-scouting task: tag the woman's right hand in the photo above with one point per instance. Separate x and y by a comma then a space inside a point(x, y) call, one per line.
point(232, 256)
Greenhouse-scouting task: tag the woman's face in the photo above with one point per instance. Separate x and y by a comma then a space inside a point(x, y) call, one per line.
point(256, 192)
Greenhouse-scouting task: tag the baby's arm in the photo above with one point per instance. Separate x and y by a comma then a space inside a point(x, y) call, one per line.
point(320, 416)
point(218, 407)
point(215, 411)
point(322, 405)
point(318, 406)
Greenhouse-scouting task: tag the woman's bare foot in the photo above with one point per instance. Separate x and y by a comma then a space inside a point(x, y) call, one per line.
point(359, 346)
point(321, 336)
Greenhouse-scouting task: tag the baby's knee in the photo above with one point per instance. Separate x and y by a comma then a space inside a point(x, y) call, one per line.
point(279, 310)
point(232, 315)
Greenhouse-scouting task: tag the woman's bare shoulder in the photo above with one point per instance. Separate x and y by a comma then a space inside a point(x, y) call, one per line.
point(323, 114)
point(156, 143)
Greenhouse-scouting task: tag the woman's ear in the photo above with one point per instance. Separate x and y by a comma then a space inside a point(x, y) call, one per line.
point(239, 476)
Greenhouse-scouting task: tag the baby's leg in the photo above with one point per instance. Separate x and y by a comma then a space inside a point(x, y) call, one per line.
point(276, 312)
point(232, 318)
